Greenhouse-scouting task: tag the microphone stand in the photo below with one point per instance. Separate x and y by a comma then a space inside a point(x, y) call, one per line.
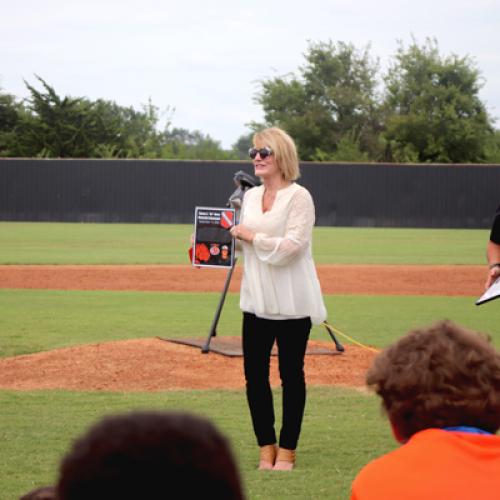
point(213, 327)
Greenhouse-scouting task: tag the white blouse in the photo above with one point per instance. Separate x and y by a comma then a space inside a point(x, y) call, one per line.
point(279, 276)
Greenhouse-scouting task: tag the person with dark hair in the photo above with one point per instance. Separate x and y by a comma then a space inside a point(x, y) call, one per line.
point(493, 251)
point(440, 388)
point(150, 455)
point(280, 292)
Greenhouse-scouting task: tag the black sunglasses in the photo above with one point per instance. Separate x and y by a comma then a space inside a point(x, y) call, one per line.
point(263, 152)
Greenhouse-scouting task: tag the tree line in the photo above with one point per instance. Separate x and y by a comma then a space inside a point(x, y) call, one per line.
point(338, 106)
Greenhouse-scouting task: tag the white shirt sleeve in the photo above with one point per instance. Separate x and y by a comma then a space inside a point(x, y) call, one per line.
point(279, 251)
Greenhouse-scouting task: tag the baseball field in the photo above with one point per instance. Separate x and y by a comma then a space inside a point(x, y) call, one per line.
point(88, 312)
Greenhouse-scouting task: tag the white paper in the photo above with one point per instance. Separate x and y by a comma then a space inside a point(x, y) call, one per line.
point(493, 292)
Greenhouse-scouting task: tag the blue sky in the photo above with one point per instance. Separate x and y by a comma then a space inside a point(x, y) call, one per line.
point(201, 62)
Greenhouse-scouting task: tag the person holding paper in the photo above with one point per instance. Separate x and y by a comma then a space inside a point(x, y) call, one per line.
point(280, 292)
point(493, 251)
point(440, 388)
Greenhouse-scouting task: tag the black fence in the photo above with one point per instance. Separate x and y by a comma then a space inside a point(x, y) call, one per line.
point(164, 191)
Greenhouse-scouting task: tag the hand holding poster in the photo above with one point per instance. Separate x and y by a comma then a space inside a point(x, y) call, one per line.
point(492, 293)
point(213, 243)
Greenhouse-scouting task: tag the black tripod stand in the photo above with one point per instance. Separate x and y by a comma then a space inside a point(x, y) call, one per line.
point(213, 327)
point(243, 182)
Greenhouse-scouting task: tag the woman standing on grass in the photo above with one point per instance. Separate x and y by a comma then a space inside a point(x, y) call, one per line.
point(280, 292)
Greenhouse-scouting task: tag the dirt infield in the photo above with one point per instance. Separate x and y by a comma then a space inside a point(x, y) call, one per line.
point(381, 280)
point(156, 365)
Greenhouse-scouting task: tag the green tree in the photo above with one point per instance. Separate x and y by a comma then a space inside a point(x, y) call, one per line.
point(126, 132)
point(333, 100)
point(9, 110)
point(493, 148)
point(432, 109)
point(348, 149)
point(56, 127)
point(184, 144)
point(242, 145)
point(52, 126)
point(48, 125)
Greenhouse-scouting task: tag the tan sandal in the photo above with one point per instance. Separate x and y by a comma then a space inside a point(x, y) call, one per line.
point(285, 459)
point(267, 457)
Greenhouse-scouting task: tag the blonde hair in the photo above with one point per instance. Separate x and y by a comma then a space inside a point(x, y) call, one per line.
point(284, 150)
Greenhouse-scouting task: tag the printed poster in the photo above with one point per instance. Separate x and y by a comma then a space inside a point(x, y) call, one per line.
point(213, 243)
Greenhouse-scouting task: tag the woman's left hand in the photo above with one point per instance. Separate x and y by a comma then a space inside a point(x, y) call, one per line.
point(242, 232)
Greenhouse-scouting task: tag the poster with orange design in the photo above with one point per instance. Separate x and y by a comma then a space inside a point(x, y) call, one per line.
point(213, 243)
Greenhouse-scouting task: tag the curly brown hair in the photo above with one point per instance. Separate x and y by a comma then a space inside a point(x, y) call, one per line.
point(440, 376)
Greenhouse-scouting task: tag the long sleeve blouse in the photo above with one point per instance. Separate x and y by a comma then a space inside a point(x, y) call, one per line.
point(279, 276)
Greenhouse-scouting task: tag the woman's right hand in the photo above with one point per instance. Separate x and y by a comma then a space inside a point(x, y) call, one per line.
point(493, 274)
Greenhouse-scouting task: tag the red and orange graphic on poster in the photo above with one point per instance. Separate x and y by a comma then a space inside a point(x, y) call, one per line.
point(227, 219)
point(213, 243)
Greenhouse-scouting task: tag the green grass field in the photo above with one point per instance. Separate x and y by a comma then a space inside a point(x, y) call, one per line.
point(52, 318)
point(343, 429)
point(55, 243)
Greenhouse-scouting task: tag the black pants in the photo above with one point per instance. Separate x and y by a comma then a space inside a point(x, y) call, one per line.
point(258, 338)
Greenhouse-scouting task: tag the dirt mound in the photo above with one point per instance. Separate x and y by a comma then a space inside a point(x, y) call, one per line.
point(157, 365)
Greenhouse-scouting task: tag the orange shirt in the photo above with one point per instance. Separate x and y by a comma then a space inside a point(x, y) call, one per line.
point(434, 464)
